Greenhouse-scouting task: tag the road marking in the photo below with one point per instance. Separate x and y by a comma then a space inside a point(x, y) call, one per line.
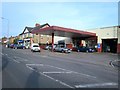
point(50, 77)
point(21, 59)
point(96, 85)
point(13, 60)
point(86, 75)
point(73, 71)
point(16, 61)
point(29, 67)
point(35, 64)
point(55, 72)
point(1, 53)
point(56, 80)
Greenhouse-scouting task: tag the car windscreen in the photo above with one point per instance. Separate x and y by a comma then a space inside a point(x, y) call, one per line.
point(35, 46)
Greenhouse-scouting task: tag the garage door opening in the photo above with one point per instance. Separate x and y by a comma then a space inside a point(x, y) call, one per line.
point(109, 45)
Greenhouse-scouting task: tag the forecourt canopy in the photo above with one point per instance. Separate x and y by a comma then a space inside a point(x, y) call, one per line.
point(63, 32)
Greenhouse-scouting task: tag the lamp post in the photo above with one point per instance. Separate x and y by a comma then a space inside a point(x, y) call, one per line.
point(7, 29)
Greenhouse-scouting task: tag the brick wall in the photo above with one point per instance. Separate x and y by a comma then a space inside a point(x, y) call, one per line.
point(118, 48)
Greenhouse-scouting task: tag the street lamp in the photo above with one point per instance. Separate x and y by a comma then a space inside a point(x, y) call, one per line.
point(8, 28)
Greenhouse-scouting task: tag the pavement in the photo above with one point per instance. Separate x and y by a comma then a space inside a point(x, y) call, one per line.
point(25, 69)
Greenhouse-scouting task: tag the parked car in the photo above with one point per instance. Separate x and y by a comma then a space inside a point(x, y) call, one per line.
point(62, 49)
point(49, 47)
point(35, 47)
point(83, 49)
point(19, 46)
point(46, 48)
point(11, 46)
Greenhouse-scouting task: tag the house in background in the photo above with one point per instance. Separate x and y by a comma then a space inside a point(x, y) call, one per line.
point(11, 39)
point(29, 38)
point(4, 40)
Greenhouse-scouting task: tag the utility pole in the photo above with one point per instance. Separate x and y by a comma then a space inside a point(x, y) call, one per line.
point(7, 29)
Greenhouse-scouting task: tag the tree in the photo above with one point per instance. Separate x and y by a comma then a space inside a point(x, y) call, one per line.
point(15, 40)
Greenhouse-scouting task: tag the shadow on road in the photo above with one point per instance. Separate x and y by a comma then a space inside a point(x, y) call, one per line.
point(32, 81)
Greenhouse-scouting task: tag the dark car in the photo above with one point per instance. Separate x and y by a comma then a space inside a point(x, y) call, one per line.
point(19, 46)
point(83, 49)
point(11, 46)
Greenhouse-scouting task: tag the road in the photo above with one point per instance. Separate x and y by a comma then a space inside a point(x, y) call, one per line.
point(25, 69)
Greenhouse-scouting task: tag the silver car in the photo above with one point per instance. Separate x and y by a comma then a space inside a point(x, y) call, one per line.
point(62, 49)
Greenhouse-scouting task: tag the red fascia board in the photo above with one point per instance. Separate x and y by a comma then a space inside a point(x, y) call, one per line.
point(73, 30)
point(57, 28)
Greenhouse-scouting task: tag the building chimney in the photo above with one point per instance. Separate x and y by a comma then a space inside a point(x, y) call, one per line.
point(37, 24)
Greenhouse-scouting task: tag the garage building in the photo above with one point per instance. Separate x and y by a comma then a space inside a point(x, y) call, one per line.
point(108, 39)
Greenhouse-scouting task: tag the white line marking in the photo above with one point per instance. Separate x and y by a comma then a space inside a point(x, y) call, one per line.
point(55, 72)
point(96, 85)
point(20, 59)
point(11, 59)
point(63, 69)
point(29, 67)
point(16, 61)
point(57, 80)
point(73, 71)
point(50, 77)
point(2, 53)
point(35, 64)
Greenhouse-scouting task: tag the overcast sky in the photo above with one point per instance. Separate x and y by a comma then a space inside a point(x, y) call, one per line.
point(76, 15)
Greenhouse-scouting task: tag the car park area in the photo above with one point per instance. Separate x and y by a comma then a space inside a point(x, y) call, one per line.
point(58, 70)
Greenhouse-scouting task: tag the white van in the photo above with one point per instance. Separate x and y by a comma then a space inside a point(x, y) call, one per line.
point(35, 47)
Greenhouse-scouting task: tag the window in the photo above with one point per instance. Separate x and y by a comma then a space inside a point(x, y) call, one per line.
point(24, 35)
point(28, 34)
point(33, 35)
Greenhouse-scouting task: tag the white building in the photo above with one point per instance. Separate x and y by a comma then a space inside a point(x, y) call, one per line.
point(108, 38)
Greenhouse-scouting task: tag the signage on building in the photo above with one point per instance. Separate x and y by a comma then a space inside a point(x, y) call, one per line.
point(98, 45)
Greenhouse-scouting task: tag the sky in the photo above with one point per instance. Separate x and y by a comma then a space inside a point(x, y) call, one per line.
point(76, 15)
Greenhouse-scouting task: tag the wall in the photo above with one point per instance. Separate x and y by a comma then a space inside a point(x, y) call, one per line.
point(58, 38)
point(11, 39)
point(35, 38)
point(118, 35)
point(44, 39)
point(105, 33)
point(118, 46)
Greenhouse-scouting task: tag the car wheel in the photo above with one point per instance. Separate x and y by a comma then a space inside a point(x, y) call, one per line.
point(78, 50)
point(87, 51)
point(62, 51)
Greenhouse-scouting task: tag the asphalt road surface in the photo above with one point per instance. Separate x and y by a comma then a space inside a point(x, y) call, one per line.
point(25, 69)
